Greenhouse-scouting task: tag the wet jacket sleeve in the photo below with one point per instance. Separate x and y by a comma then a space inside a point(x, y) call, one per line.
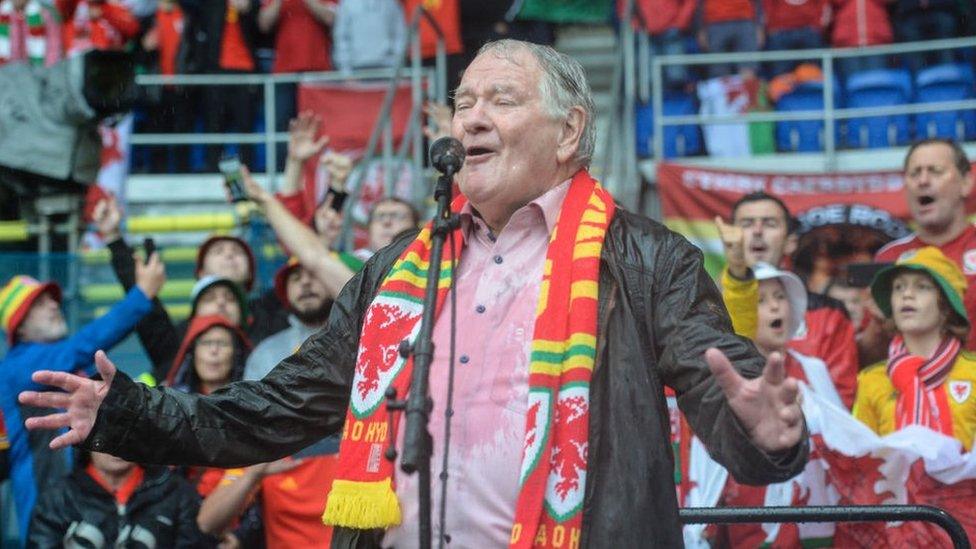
point(156, 331)
point(301, 401)
point(688, 318)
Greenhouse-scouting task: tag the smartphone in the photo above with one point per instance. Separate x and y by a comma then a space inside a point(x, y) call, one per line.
point(860, 275)
point(149, 246)
point(230, 167)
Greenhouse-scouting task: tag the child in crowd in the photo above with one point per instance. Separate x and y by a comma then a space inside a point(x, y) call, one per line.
point(927, 379)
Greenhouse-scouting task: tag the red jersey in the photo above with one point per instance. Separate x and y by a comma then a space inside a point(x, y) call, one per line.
point(961, 249)
point(102, 26)
point(718, 11)
point(169, 30)
point(302, 42)
point(293, 503)
point(448, 17)
point(794, 14)
point(234, 54)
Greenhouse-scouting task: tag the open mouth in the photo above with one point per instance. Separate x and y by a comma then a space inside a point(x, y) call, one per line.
point(925, 200)
point(776, 324)
point(476, 152)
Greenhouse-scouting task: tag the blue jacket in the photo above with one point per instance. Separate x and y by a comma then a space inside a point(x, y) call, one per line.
point(32, 463)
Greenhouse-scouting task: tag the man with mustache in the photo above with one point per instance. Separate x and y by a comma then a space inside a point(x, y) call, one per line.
point(938, 180)
point(572, 314)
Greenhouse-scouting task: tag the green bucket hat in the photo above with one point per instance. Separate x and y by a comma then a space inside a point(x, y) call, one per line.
point(931, 261)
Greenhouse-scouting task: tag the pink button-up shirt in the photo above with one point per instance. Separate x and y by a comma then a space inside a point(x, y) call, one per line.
point(497, 292)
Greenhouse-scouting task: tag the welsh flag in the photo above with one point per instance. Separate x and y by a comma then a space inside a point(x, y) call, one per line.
point(849, 465)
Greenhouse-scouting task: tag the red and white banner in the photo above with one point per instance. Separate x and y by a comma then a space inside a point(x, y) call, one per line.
point(691, 197)
point(851, 465)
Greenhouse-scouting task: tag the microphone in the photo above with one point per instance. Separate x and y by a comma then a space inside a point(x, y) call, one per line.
point(447, 155)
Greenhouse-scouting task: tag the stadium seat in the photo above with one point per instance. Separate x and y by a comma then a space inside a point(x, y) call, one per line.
point(950, 82)
point(684, 140)
point(803, 135)
point(878, 88)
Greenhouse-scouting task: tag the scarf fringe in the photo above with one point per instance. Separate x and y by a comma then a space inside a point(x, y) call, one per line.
point(362, 505)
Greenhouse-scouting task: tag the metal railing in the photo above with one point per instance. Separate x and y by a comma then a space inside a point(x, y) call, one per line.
point(267, 82)
point(830, 115)
point(844, 513)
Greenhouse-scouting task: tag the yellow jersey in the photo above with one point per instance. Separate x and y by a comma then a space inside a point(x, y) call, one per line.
point(876, 398)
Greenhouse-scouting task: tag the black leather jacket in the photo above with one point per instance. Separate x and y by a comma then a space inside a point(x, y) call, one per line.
point(659, 312)
point(78, 512)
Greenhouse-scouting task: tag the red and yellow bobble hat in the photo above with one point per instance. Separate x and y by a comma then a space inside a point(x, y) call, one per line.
point(16, 299)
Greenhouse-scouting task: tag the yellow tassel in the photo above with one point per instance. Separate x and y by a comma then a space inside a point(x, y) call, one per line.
point(362, 505)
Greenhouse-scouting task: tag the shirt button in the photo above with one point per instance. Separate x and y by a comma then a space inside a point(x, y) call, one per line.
point(464, 359)
point(479, 309)
point(498, 260)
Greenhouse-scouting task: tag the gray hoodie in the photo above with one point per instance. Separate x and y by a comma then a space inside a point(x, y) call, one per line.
point(368, 34)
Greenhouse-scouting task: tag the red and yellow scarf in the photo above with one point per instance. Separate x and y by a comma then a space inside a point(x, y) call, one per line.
point(922, 399)
point(563, 351)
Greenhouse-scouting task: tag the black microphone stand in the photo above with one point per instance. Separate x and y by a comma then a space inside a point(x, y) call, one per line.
point(417, 442)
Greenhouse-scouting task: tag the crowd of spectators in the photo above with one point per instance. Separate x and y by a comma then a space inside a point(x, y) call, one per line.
point(862, 337)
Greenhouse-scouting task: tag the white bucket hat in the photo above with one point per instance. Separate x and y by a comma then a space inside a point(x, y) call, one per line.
point(796, 292)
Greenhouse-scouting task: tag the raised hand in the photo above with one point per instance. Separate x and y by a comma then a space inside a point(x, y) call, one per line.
point(151, 275)
point(107, 217)
point(767, 406)
point(79, 401)
point(302, 143)
point(734, 245)
point(339, 167)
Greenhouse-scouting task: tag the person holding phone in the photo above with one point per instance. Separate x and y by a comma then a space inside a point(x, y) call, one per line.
point(37, 337)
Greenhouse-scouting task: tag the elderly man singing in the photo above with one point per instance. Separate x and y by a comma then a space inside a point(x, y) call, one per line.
point(575, 314)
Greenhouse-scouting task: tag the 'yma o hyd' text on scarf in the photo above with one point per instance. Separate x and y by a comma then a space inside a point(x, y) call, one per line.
point(552, 479)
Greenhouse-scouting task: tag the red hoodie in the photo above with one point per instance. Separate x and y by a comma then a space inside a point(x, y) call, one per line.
point(720, 11)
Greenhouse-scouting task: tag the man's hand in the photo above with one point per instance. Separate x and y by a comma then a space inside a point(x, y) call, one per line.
point(339, 167)
point(254, 191)
point(302, 143)
point(79, 399)
point(107, 217)
point(151, 275)
point(767, 406)
point(328, 223)
point(734, 244)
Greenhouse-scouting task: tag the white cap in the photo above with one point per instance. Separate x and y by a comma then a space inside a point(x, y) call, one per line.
point(796, 292)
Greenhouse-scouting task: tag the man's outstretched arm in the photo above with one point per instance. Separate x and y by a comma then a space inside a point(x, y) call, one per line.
point(748, 415)
point(302, 400)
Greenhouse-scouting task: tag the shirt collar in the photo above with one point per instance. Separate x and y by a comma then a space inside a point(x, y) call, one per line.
point(548, 204)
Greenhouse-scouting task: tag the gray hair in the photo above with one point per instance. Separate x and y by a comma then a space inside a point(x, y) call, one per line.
point(563, 86)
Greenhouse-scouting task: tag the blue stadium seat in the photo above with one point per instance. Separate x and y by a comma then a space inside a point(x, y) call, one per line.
point(684, 140)
point(950, 82)
point(878, 88)
point(803, 135)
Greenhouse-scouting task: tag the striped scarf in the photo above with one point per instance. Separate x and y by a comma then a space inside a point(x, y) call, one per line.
point(922, 400)
point(35, 46)
point(563, 351)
